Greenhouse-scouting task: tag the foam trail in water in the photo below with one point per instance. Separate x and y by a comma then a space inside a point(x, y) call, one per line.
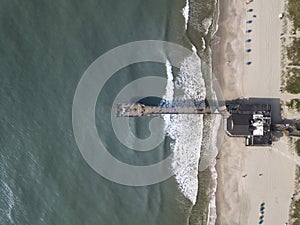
point(203, 44)
point(194, 49)
point(185, 13)
point(170, 85)
point(212, 204)
point(206, 24)
point(217, 16)
point(169, 95)
point(196, 16)
point(187, 130)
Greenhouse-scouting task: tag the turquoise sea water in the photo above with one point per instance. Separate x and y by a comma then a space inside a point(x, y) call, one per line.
point(45, 47)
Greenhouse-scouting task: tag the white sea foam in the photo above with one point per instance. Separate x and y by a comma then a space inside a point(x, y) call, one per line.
point(190, 79)
point(195, 17)
point(169, 95)
point(170, 85)
point(212, 204)
point(194, 49)
point(187, 130)
point(207, 23)
point(185, 13)
point(203, 44)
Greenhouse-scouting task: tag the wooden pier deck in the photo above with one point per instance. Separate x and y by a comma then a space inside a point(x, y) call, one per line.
point(138, 110)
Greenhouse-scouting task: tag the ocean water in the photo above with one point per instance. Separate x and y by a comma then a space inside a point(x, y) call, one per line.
point(45, 47)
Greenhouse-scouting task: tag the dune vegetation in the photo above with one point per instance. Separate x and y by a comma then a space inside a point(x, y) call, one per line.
point(293, 49)
point(294, 104)
point(295, 205)
point(294, 12)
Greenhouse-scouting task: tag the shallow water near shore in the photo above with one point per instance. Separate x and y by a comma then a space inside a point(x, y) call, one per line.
point(45, 48)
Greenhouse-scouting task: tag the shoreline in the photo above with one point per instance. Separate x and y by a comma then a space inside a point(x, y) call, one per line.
point(226, 67)
point(238, 194)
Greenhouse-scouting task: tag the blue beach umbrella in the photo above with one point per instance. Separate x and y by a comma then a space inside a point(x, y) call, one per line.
point(249, 21)
point(262, 209)
point(248, 40)
point(250, 10)
point(260, 222)
point(248, 63)
point(248, 50)
point(248, 31)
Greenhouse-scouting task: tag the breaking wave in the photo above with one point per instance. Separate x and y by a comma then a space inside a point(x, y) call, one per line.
point(170, 85)
point(186, 130)
point(169, 95)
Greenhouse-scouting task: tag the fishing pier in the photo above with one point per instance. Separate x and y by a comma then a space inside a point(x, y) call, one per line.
point(254, 119)
point(138, 110)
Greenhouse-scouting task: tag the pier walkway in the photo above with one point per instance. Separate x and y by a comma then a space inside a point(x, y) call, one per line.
point(137, 110)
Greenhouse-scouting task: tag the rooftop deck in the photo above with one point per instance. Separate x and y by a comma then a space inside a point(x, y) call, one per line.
point(252, 121)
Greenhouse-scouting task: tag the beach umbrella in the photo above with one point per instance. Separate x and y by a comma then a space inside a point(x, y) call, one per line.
point(260, 222)
point(248, 31)
point(248, 50)
point(254, 16)
point(249, 21)
point(250, 10)
point(261, 217)
point(248, 40)
point(262, 209)
point(248, 63)
point(262, 204)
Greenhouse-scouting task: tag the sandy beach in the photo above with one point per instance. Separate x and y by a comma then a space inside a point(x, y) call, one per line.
point(248, 176)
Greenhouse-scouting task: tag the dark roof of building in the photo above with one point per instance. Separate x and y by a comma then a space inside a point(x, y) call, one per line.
point(251, 118)
point(238, 124)
point(254, 108)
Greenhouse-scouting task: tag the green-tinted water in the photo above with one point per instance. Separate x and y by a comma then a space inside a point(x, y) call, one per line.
point(45, 46)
